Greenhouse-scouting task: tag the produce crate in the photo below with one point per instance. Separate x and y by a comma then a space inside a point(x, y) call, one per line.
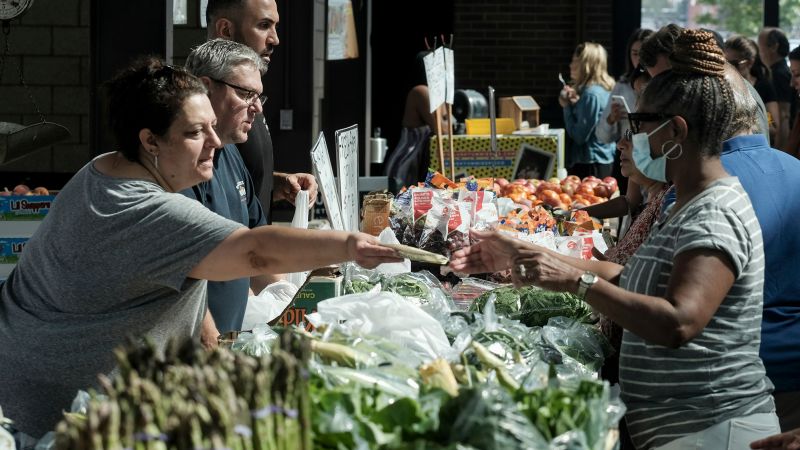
point(25, 207)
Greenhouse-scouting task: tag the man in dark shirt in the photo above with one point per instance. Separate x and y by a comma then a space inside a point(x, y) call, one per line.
point(254, 23)
point(232, 73)
point(773, 47)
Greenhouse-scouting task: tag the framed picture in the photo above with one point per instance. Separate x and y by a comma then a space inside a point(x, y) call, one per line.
point(533, 163)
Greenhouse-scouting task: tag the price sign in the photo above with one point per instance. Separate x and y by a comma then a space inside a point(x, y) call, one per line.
point(450, 77)
point(435, 73)
point(347, 162)
point(327, 183)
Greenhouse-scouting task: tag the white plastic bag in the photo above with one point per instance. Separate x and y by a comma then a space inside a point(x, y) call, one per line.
point(387, 237)
point(268, 304)
point(300, 220)
point(6, 440)
point(387, 315)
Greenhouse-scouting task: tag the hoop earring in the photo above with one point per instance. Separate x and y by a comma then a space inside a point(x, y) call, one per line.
point(668, 153)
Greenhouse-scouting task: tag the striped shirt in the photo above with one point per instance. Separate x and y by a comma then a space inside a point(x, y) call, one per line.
point(718, 375)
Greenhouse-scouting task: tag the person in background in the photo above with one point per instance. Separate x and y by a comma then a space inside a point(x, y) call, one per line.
point(409, 161)
point(770, 178)
point(742, 54)
point(690, 298)
point(793, 143)
point(773, 48)
point(613, 120)
point(231, 72)
point(583, 104)
point(254, 23)
point(123, 254)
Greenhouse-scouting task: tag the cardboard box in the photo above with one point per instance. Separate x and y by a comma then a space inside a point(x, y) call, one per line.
point(25, 207)
point(321, 284)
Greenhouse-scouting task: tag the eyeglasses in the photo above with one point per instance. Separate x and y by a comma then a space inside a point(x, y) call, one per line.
point(736, 62)
point(245, 94)
point(636, 119)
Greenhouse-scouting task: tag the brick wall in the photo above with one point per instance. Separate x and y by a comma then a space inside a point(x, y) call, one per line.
point(51, 45)
point(519, 47)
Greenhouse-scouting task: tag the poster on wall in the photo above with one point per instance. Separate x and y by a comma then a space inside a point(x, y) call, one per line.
point(342, 42)
point(347, 163)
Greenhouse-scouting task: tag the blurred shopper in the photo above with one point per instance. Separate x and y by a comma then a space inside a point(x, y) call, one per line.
point(773, 47)
point(583, 103)
point(742, 54)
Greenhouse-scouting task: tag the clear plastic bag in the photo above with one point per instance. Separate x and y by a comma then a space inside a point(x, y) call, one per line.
point(582, 342)
point(256, 343)
point(465, 292)
point(268, 304)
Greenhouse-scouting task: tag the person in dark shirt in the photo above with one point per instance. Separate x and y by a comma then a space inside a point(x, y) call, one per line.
point(232, 74)
point(254, 23)
point(773, 47)
point(742, 53)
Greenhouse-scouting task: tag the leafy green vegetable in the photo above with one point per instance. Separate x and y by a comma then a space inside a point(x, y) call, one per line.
point(533, 306)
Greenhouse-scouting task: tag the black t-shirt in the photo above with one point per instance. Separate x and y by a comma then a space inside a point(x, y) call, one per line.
point(765, 90)
point(781, 80)
point(257, 156)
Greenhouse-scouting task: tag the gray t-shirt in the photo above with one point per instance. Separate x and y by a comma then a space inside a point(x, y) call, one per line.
point(110, 260)
point(718, 375)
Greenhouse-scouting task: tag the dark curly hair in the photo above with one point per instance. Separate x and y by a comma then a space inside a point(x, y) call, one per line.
point(148, 94)
point(696, 90)
point(659, 43)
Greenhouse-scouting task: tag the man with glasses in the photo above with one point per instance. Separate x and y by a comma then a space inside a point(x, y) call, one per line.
point(232, 74)
point(254, 23)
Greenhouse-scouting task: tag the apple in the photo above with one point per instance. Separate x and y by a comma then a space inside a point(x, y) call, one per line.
point(41, 191)
point(602, 190)
point(21, 189)
point(612, 183)
point(554, 180)
point(501, 181)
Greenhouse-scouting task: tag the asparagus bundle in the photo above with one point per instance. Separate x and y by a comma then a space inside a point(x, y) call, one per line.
point(190, 398)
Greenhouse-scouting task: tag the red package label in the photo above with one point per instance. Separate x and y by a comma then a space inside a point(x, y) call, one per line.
point(422, 201)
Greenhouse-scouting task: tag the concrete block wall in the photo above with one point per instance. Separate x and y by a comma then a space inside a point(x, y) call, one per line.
point(50, 44)
point(519, 47)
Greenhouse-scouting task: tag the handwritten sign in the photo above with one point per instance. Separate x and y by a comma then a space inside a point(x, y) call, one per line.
point(435, 73)
point(450, 78)
point(347, 163)
point(327, 183)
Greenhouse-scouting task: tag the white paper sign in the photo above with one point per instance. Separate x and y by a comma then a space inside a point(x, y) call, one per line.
point(450, 77)
point(435, 73)
point(347, 163)
point(327, 184)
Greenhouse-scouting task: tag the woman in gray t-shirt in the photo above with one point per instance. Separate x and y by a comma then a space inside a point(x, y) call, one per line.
point(121, 253)
point(690, 298)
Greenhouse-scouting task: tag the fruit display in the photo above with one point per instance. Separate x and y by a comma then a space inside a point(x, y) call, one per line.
point(22, 189)
point(566, 194)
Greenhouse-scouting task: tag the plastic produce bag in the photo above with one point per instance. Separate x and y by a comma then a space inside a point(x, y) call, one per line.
point(256, 343)
point(268, 304)
point(388, 237)
point(386, 315)
point(465, 292)
point(579, 341)
point(300, 220)
point(6, 440)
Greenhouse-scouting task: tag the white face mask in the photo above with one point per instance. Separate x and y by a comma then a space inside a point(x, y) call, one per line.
point(655, 169)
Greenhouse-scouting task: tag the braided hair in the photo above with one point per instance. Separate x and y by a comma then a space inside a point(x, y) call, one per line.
point(696, 90)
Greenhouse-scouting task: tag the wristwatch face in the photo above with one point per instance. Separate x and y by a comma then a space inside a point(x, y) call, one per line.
point(588, 278)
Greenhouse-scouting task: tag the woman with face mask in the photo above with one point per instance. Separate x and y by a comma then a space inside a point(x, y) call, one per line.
point(690, 298)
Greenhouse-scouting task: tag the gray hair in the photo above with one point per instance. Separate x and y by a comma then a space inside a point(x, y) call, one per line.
point(745, 111)
point(217, 59)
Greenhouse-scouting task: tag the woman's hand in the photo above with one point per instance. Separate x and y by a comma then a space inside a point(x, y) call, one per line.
point(533, 266)
point(789, 440)
point(493, 253)
point(616, 114)
point(365, 250)
point(568, 96)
